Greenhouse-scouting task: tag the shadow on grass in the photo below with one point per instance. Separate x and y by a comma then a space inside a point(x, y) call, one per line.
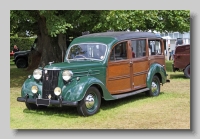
point(67, 112)
point(71, 112)
point(106, 105)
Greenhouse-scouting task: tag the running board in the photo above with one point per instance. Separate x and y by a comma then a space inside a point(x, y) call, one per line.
point(130, 93)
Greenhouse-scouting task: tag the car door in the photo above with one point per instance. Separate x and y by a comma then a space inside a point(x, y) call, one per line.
point(119, 69)
point(140, 63)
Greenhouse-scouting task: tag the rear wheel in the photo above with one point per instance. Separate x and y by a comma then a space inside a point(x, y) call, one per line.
point(90, 104)
point(21, 63)
point(155, 87)
point(187, 71)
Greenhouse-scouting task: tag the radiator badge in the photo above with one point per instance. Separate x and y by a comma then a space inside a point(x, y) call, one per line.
point(46, 78)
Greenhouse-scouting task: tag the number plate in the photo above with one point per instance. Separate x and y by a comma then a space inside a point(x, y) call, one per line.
point(45, 102)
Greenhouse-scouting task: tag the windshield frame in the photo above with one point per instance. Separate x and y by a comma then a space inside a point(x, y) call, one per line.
point(92, 59)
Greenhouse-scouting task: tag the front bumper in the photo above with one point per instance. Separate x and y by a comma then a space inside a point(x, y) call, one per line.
point(46, 102)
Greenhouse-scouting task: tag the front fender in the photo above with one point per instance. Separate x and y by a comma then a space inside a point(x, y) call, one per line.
point(156, 69)
point(76, 90)
point(26, 87)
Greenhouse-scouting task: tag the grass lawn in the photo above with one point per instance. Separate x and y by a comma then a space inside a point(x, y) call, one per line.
point(170, 110)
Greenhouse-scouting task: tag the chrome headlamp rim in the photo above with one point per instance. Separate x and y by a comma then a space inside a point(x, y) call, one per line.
point(67, 75)
point(37, 74)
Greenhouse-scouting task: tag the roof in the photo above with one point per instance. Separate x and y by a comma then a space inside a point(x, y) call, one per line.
point(122, 35)
point(110, 38)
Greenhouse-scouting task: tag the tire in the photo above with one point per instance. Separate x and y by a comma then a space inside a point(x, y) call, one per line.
point(155, 87)
point(91, 102)
point(187, 71)
point(21, 63)
point(31, 106)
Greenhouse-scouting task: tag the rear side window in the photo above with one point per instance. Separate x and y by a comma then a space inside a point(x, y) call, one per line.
point(138, 48)
point(154, 47)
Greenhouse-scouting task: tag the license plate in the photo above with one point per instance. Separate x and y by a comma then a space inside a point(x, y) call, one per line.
point(45, 102)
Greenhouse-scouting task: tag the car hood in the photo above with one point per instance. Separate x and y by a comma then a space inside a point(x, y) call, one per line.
point(74, 65)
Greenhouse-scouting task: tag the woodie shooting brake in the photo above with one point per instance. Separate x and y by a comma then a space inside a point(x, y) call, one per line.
point(109, 66)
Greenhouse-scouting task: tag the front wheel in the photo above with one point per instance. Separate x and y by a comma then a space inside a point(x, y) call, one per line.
point(155, 87)
point(90, 104)
point(187, 71)
point(31, 106)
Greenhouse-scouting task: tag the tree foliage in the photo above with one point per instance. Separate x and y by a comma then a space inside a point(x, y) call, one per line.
point(145, 20)
point(53, 27)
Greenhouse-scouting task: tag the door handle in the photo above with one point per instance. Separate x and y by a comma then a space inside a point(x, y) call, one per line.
point(131, 63)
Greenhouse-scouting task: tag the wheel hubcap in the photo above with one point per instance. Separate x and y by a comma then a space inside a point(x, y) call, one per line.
point(89, 101)
point(154, 87)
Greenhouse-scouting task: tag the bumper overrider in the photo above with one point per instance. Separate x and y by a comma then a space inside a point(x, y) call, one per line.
point(46, 102)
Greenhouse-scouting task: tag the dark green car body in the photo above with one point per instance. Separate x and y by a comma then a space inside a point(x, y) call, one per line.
point(88, 74)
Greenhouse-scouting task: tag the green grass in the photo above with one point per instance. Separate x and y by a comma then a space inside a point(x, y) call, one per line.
point(170, 110)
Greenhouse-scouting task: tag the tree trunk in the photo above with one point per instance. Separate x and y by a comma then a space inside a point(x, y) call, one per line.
point(62, 44)
point(48, 49)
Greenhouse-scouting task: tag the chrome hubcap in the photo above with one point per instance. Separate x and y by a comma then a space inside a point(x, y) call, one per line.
point(154, 87)
point(89, 101)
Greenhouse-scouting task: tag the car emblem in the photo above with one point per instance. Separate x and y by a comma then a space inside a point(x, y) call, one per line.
point(46, 78)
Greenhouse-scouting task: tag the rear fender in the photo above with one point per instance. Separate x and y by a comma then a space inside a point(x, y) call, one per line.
point(156, 69)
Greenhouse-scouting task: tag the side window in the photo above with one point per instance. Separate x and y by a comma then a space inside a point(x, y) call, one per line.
point(138, 48)
point(119, 52)
point(154, 47)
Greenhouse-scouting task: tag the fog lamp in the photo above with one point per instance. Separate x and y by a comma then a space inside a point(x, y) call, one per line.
point(34, 89)
point(57, 91)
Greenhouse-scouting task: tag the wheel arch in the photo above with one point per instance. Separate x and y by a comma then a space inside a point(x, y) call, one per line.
point(99, 88)
point(159, 71)
point(21, 56)
point(74, 93)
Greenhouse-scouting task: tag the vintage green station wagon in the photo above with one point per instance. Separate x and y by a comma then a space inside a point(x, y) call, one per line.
point(109, 66)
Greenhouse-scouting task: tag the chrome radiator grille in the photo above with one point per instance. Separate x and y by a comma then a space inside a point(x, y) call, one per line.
point(50, 82)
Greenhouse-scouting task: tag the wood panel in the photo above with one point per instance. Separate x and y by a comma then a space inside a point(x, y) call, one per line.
point(119, 77)
point(140, 69)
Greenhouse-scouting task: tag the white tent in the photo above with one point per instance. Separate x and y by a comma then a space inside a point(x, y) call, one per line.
point(167, 37)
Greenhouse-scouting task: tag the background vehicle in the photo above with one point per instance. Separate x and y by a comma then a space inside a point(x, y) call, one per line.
point(181, 60)
point(21, 58)
point(109, 66)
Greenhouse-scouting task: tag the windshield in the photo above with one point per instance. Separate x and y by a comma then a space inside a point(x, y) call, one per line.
point(93, 51)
